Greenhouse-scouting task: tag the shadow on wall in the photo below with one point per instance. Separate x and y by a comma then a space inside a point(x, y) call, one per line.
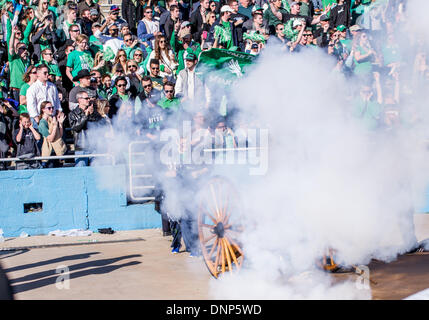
point(40, 279)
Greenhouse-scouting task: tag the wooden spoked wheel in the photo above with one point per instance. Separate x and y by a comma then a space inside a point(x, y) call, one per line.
point(219, 227)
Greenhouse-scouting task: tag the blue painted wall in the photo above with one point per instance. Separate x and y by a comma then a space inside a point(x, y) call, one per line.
point(73, 198)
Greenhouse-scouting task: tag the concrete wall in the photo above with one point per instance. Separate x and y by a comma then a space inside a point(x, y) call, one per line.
point(72, 198)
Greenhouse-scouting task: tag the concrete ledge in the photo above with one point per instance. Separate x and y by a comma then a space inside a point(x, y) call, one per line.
point(71, 198)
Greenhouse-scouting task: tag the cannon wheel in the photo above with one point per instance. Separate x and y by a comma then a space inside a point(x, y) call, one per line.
point(218, 228)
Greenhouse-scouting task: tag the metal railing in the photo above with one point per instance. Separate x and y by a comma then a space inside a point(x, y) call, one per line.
point(75, 156)
point(137, 174)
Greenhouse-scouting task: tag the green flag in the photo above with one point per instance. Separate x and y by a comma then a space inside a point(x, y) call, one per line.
point(223, 66)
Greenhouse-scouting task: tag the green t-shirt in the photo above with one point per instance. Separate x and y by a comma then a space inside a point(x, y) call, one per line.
point(167, 104)
point(95, 45)
point(391, 54)
point(124, 97)
point(79, 60)
point(17, 70)
point(52, 67)
point(24, 88)
point(362, 68)
point(369, 112)
point(43, 128)
point(245, 11)
point(305, 9)
point(271, 19)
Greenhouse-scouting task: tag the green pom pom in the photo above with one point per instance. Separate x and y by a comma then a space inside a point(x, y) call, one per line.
point(108, 54)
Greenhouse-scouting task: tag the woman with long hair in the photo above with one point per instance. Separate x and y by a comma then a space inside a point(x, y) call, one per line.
point(42, 10)
point(164, 54)
point(205, 29)
point(120, 60)
point(364, 55)
point(29, 15)
point(103, 109)
point(100, 64)
point(133, 76)
point(51, 128)
point(29, 77)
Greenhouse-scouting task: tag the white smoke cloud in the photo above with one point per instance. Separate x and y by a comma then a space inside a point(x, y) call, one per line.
point(331, 183)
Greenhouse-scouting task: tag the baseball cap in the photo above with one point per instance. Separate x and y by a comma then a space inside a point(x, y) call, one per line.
point(184, 24)
point(111, 25)
point(93, 12)
point(226, 9)
point(294, 3)
point(356, 27)
point(341, 27)
point(296, 23)
point(114, 8)
point(191, 56)
point(96, 25)
point(256, 8)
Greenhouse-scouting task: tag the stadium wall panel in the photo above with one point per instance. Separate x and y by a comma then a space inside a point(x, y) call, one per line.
point(86, 198)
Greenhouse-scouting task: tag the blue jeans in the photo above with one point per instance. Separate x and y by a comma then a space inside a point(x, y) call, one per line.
point(189, 230)
point(81, 162)
point(317, 4)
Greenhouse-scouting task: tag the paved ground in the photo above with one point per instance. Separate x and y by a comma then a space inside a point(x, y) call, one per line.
point(138, 265)
point(141, 267)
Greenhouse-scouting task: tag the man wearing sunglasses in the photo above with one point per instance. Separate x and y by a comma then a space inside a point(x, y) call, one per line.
point(122, 95)
point(84, 79)
point(148, 28)
point(90, 5)
point(47, 58)
point(78, 119)
point(112, 39)
point(114, 17)
point(148, 113)
point(39, 91)
point(154, 70)
point(171, 105)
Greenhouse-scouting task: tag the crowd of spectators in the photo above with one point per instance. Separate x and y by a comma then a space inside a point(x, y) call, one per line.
point(66, 67)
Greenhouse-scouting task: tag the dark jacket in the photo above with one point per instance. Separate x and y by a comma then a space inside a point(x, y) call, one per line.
point(115, 102)
point(196, 22)
point(28, 143)
point(169, 28)
point(129, 13)
point(233, 30)
point(50, 37)
point(340, 15)
point(79, 125)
